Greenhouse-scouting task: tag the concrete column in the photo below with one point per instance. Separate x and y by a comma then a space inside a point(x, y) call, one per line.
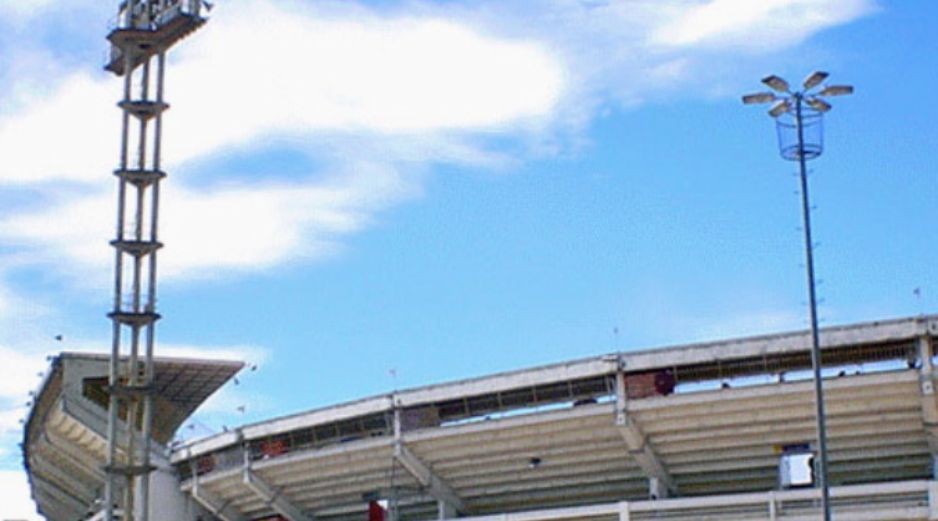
point(928, 398)
point(656, 489)
point(170, 503)
point(445, 510)
point(933, 500)
point(660, 482)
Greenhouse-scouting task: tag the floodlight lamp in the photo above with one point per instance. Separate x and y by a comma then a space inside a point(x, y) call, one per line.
point(814, 79)
point(780, 107)
point(818, 104)
point(776, 83)
point(837, 90)
point(759, 97)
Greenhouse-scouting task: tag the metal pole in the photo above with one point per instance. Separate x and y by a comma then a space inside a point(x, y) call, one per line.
point(812, 303)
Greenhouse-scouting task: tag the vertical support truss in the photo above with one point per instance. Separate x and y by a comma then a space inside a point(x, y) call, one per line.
point(145, 30)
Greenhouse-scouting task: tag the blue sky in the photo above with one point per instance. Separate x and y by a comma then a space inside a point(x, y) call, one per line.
point(447, 189)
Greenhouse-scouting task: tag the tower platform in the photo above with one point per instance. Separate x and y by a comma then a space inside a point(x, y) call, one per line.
point(168, 27)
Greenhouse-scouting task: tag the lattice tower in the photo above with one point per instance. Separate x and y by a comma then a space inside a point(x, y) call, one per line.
point(142, 34)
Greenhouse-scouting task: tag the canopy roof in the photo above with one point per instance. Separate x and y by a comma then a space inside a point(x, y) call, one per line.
point(65, 436)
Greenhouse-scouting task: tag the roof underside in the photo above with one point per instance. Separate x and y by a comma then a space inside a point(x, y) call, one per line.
point(65, 437)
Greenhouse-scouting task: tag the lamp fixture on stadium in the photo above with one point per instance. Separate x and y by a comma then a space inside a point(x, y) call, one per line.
point(798, 121)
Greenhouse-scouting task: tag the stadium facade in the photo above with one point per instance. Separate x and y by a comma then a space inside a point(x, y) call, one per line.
point(720, 430)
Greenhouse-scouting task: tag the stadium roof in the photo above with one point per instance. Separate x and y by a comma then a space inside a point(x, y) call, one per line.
point(65, 435)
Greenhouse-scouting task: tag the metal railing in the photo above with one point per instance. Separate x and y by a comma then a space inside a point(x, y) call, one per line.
point(904, 500)
point(160, 13)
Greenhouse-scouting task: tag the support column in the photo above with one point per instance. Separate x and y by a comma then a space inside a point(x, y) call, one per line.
point(932, 500)
point(928, 398)
point(220, 509)
point(445, 510)
point(273, 498)
point(624, 511)
point(660, 483)
point(449, 502)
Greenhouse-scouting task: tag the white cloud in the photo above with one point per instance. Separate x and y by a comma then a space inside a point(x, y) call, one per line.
point(278, 67)
point(64, 135)
point(18, 370)
point(420, 88)
point(266, 69)
point(4, 301)
point(10, 425)
point(755, 26)
point(214, 231)
point(16, 501)
point(24, 8)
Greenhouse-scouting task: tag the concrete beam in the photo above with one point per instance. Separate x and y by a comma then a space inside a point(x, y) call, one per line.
point(437, 488)
point(932, 500)
point(77, 457)
point(660, 482)
point(422, 473)
point(63, 497)
point(273, 498)
point(704, 399)
point(709, 352)
point(928, 397)
point(220, 509)
point(43, 468)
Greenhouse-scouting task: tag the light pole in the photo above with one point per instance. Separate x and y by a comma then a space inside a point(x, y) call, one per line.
point(798, 117)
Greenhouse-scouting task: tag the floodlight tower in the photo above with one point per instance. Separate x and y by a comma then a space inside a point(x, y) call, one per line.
point(140, 37)
point(798, 117)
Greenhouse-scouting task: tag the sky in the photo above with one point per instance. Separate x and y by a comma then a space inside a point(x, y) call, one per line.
point(370, 195)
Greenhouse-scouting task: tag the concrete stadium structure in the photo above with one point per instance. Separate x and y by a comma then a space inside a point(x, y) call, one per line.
point(700, 431)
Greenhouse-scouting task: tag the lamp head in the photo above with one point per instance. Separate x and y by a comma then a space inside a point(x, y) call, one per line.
point(814, 79)
point(818, 104)
point(780, 107)
point(776, 83)
point(836, 90)
point(759, 97)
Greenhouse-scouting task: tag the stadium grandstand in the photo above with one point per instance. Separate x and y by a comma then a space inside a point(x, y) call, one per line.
point(719, 430)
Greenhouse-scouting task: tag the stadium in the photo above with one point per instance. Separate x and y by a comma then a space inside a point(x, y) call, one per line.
point(700, 431)
point(720, 430)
